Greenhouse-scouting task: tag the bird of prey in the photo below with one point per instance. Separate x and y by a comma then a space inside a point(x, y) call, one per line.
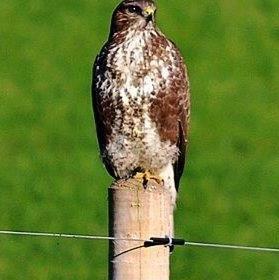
point(141, 99)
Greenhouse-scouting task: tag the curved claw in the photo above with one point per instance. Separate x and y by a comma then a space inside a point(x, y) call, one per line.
point(146, 176)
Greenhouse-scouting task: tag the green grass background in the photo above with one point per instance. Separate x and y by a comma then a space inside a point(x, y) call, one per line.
point(50, 174)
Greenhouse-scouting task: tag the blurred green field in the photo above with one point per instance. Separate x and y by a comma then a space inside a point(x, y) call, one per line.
point(51, 177)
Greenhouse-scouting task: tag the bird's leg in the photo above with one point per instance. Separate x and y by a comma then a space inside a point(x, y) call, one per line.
point(156, 178)
point(146, 176)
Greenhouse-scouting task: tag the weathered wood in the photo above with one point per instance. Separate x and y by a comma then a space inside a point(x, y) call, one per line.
point(141, 213)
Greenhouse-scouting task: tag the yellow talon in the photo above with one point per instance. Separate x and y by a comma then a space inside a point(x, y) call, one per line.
point(146, 176)
point(139, 176)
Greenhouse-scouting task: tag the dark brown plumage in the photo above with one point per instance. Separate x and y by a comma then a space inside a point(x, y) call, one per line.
point(141, 98)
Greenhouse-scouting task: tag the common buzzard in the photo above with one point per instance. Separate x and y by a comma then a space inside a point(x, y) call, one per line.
point(141, 98)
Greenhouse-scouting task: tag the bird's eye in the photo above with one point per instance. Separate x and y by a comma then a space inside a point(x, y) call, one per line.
point(134, 9)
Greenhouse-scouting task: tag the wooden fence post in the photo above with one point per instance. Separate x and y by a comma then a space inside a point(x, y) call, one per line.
point(140, 213)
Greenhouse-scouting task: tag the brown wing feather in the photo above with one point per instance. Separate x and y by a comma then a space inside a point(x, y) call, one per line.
point(170, 110)
point(178, 166)
point(183, 125)
point(103, 113)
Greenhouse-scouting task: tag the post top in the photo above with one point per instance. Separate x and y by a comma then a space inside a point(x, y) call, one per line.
point(135, 184)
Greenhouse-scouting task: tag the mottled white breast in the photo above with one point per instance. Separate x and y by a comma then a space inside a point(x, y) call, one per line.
point(131, 86)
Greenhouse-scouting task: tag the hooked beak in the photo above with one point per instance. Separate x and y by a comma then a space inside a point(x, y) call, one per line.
point(148, 13)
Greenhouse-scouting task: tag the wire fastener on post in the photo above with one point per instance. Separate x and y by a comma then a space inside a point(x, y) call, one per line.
point(167, 241)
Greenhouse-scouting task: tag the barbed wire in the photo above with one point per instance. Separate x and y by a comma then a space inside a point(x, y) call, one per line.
point(153, 241)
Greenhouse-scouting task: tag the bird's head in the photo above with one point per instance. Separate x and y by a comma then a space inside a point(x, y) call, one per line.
point(136, 14)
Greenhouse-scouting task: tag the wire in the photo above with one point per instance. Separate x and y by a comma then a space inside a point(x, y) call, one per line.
point(65, 235)
point(167, 241)
point(235, 247)
point(153, 241)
